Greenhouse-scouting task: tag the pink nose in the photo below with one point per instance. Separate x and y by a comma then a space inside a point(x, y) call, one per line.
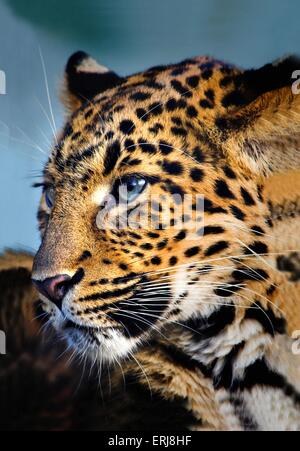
point(54, 288)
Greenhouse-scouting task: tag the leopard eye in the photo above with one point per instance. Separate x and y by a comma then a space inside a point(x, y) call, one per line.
point(131, 187)
point(49, 196)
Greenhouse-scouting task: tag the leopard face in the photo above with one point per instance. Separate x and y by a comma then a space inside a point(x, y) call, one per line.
point(174, 149)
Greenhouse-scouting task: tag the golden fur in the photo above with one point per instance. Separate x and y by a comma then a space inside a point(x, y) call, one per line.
point(209, 316)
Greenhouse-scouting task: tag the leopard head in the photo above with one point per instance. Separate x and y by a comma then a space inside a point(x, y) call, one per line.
point(152, 205)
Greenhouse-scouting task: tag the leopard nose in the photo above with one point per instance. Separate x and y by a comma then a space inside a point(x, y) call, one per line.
point(54, 288)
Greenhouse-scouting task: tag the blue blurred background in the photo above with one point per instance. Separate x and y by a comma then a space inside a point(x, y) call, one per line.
point(126, 35)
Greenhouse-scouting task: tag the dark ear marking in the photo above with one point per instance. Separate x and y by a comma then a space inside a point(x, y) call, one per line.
point(85, 78)
point(270, 77)
point(260, 128)
point(253, 83)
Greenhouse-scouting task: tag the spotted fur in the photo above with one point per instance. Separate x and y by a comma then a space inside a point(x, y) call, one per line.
point(208, 316)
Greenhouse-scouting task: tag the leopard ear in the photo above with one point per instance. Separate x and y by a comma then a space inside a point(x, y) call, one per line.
point(84, 79)
point(262, 132)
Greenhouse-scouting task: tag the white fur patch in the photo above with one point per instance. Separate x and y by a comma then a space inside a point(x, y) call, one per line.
point(272, 409)
point(180, 284)
point(89, 65)
point(99, 195)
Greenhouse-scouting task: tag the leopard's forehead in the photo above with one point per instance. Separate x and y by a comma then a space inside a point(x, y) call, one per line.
point(162, 110)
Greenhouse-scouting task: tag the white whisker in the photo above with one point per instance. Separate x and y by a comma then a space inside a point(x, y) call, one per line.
point(48, 93)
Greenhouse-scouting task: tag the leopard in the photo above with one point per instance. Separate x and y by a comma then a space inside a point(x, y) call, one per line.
point(169, 253)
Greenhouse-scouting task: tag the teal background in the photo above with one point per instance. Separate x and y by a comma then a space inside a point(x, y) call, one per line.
point(126, 35)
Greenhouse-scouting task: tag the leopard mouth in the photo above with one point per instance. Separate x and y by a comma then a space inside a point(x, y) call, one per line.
point(128, 321)
point(81, 336)
point(70, 326)
point(97, 343)
point(130, 324)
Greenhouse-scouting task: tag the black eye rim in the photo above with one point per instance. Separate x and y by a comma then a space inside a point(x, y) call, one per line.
point(124, 180)
point(48, 200)
point(45, 187)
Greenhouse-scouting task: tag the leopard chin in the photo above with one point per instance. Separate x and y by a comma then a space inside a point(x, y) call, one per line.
point(107, 344)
